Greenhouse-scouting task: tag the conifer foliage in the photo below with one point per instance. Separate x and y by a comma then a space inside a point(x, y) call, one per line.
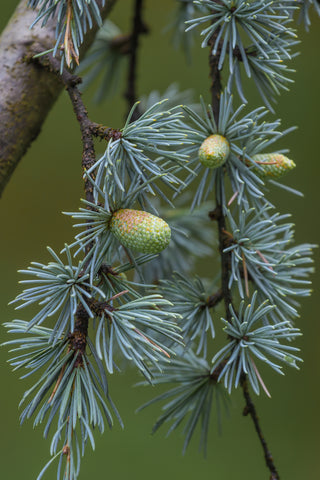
point(124, 290)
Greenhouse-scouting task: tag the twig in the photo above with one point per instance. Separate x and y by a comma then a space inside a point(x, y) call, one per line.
point(251, 410)
point(138, 28)
point(216, 85)
point(225, 256)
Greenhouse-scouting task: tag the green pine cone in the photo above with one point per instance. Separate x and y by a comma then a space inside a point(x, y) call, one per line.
point(214, 151)
point(140, 230)
point(275, 166)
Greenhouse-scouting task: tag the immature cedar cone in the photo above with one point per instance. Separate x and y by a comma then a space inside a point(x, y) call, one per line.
point(214, 151)
point(276, 165)
point(140, 230)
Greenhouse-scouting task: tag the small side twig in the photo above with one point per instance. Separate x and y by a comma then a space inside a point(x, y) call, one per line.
point(214, 299)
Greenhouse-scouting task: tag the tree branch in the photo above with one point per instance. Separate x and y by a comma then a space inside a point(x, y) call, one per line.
point(33, 90)
point(89, 129)
point(217, 215)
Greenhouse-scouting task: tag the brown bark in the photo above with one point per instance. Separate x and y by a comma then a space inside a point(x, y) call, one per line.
point(27, 91)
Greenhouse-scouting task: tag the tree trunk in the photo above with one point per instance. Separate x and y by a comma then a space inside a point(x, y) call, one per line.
point(27, 91)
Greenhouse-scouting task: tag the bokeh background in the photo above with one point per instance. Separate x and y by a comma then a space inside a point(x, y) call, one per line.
point(48, 181)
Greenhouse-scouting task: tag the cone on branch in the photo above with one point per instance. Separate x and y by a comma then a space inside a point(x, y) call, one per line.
point(214, 151)
point(273, 165)
point(140, 230)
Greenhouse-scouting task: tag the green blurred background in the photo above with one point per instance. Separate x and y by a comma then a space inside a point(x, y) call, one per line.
point(48, 181)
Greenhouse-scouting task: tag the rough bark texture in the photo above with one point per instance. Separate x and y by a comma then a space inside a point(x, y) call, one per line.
point(27, 91)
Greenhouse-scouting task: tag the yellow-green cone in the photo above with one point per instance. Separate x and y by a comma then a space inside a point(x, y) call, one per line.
point(275, 166)
point(140, 231)
point(214, 151)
